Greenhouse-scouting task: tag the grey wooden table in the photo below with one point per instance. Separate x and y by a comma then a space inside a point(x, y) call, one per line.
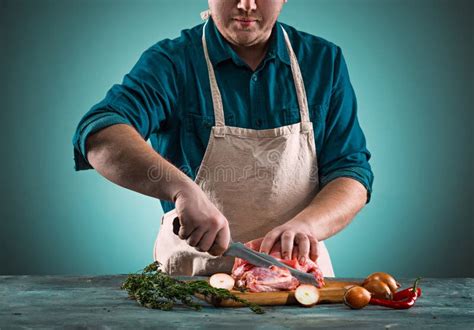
point(98, 302)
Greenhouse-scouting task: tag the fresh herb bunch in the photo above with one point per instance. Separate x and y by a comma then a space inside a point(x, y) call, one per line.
point(153, 288)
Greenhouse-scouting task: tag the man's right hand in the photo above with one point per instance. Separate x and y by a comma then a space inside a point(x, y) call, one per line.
point(121, 155)
point(203, 226)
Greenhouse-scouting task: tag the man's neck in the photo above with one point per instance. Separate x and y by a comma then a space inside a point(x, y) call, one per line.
point(252, 55)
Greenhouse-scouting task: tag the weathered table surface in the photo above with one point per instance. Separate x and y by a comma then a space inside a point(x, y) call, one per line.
point(98, 301)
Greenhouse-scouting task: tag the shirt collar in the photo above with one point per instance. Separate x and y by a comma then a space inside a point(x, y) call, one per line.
point(220, 50)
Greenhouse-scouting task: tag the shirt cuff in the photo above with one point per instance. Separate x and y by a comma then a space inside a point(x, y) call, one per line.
point(94, 124)
point(363, 175)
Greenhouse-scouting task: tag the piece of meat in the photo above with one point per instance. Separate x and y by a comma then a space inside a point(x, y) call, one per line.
point(260, 279)
point(273, 278)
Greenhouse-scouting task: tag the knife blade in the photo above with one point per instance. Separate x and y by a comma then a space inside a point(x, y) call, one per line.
point(259, 259)
point(237, 249)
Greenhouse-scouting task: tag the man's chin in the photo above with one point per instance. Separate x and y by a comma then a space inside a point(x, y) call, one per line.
point(244, 40)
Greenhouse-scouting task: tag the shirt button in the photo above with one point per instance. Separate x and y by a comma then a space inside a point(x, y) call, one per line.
point(254, 77)
point(258, 122)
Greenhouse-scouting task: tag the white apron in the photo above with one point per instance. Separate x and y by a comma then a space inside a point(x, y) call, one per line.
point(258, 179)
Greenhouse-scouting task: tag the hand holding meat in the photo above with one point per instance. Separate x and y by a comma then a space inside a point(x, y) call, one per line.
point(292, 234)
point(202, 225)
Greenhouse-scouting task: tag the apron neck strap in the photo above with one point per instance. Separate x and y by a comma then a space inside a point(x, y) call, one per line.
point(298, 79)
point(216, 94)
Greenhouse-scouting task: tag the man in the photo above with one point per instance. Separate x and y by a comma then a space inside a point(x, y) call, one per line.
point(261, 120)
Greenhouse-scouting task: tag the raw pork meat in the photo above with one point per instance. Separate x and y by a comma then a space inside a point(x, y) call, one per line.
point(273, 278)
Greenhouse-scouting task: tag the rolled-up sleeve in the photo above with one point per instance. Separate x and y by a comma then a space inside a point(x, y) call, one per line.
point(344, 152)
point(143, 100)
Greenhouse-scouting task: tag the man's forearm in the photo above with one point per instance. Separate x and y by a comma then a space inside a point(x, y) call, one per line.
point(121, 155)
point(334, 207)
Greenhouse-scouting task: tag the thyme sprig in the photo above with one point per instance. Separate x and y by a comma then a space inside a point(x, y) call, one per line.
point(153, 288)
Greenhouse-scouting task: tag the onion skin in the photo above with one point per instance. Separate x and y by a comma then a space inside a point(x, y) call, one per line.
point(357, 297)
point(378, 289)
point(386, 278)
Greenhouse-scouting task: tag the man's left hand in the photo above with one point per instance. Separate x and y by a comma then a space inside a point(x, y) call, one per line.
point(294, 234)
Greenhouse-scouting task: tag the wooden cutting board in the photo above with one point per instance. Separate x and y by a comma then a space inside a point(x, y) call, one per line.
point(332, 292)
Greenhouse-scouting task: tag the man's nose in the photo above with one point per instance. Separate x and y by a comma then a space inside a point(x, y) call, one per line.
point(247, 5)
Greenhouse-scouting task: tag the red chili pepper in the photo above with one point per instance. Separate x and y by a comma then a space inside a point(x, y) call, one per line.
point(406, 293)
point(401, 300)
point(403, 304)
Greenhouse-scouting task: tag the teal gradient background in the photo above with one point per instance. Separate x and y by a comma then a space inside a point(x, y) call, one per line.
point(411, 65)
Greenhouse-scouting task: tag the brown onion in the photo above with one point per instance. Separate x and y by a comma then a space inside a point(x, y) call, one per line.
point(386, 278)
point(378, 289)
point(357, 297)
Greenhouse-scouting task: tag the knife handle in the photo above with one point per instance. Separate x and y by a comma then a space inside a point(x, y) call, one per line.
point(176, 226)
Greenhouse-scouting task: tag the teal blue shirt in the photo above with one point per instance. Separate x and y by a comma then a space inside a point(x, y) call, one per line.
point(166, 98)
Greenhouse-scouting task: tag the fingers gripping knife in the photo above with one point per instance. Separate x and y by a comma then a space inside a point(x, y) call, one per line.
point(237, 249)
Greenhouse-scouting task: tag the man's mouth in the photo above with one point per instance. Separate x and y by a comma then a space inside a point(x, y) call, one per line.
point(245, 21)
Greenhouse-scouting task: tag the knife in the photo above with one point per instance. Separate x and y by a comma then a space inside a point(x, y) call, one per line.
point(238, 249)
